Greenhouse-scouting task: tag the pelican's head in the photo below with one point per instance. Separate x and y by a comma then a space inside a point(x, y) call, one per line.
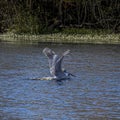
point(65, 72)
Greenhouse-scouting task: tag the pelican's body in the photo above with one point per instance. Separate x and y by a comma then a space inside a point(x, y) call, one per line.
point(55, 65)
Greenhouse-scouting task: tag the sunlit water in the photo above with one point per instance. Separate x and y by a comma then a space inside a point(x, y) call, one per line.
point(94, 94)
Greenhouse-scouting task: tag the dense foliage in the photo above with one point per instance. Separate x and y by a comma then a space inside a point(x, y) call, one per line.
point(40, 16)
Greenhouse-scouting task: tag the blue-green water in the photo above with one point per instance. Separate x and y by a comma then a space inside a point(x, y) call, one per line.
point(93, 95)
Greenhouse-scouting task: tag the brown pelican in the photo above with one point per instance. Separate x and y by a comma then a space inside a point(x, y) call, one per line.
point(55, 65)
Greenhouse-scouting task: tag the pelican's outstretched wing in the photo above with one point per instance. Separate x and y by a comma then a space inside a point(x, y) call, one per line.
point(50, 54)
point(58, 63)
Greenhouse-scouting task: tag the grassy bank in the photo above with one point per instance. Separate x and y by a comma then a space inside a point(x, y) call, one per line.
point(66, 36)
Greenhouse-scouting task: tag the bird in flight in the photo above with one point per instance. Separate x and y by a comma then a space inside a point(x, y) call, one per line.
point(55, 65)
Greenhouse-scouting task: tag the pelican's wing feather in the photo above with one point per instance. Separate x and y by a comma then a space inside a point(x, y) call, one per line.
point(50, 54)
point(58, 64)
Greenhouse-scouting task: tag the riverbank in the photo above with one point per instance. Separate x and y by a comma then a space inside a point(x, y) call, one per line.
point(61, 38)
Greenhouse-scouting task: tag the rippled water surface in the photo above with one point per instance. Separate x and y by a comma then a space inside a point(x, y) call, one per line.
point(94, 94)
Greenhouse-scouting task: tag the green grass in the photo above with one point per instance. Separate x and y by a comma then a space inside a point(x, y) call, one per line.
point(84, 31)
point(72, 35)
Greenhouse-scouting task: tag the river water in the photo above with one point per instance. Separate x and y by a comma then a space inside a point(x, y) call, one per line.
point(94, 94)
